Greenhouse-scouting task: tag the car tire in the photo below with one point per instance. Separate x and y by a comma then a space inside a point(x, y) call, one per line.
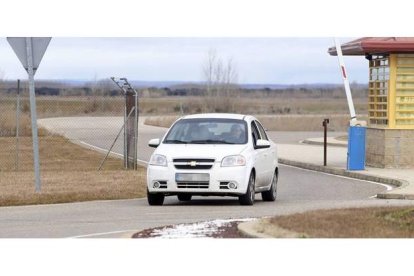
point(184, 197)
point(248, 197)
point(155, 199)
point(272, 193)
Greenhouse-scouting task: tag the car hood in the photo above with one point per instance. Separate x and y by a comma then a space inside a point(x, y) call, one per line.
point(217, 152)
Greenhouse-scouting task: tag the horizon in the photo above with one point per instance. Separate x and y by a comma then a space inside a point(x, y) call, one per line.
point(277, 60)
point(166, 83)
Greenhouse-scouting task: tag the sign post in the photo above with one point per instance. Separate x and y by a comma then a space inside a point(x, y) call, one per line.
point(30, 51)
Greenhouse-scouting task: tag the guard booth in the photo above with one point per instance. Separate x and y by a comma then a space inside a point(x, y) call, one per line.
point(390, 131)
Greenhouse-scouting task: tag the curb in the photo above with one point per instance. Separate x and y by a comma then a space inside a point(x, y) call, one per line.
point(395, 196)
point(315, 143)
point(248, 229)
point(257, 229)
point(343, 172)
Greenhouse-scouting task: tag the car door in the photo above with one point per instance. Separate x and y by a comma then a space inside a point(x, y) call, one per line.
point(268, 156)
point(260, 157)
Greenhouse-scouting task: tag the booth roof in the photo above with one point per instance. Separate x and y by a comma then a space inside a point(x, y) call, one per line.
point(376, 45)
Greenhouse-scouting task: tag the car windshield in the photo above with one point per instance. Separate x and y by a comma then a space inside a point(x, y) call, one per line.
point(207, 131)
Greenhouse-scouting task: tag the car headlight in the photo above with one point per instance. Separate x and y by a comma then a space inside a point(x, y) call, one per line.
point(233, 160)
point(158, 160)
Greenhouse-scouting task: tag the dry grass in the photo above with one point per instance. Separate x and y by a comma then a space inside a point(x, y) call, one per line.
point(386, 222)
point(56, 154)
point(248, 105)
point(59, 106)
point(69, 173)
point(279, 122)
point(8, 125)
point(161, 121)
point(71, 186)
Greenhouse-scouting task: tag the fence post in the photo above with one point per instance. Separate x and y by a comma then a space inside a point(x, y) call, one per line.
point(17, 125)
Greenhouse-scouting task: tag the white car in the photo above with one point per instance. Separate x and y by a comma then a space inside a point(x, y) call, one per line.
point(213, 154)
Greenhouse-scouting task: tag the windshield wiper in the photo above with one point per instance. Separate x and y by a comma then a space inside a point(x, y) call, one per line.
point(175, 142)
point(209, 141)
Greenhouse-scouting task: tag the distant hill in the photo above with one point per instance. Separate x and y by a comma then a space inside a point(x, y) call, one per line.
point(188, 85)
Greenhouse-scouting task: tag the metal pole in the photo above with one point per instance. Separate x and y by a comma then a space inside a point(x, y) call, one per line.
point(325, 141)
point(17, 124)
point(345, 79)
point(125, 121)
point(33, 113)
point(125, 138)
point(110, 149)
point(131, 127)
point(136, 131)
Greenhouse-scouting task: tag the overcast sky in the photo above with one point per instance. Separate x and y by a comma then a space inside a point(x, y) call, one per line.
point(258, 60)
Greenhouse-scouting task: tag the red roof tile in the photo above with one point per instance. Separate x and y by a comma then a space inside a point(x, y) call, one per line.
point(376, 45)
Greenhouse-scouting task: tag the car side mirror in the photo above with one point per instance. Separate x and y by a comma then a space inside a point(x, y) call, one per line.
point(262, 144)
point(153, 143)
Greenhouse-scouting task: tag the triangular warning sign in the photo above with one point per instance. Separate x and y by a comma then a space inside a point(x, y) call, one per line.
point(39, 46)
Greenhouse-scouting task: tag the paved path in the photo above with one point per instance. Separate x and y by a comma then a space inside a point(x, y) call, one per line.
point(299, 190)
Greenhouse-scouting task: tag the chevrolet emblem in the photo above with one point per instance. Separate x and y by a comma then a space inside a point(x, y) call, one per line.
point(192, 163)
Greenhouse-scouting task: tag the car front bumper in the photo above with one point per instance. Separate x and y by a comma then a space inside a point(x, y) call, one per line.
point(219, 177)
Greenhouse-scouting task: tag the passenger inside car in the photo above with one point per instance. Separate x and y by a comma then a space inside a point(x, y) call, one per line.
point(236, 134)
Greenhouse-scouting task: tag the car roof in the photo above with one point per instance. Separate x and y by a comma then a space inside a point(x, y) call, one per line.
point(216, 115)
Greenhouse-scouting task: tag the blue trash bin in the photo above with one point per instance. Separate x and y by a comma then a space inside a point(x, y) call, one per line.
point(356, 148)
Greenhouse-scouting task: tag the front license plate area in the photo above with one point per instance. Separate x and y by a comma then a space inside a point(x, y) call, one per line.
point(192, 177)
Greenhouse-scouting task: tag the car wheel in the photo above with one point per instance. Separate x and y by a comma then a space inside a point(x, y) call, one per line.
point(271, 194)
point(155, 199)
point(248, 197)
point(184, 197)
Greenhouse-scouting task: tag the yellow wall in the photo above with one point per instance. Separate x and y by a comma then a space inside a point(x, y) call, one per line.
point(403, 92)
point(391, 92)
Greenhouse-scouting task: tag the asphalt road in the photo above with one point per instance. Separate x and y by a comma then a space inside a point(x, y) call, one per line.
point(299, 191)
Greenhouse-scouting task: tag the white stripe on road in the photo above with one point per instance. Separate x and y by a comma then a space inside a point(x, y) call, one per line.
point(102, 234)
point(105, 150)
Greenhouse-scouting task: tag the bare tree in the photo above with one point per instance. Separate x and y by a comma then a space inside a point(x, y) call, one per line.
point(208, 70)
point(221, 82)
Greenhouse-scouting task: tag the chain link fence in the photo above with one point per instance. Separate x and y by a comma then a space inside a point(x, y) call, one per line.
point(77, 125)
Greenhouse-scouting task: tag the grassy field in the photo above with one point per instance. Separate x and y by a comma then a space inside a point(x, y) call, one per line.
point(338, 122)
point(50, 106)
point(386, 222)
point(69, 173)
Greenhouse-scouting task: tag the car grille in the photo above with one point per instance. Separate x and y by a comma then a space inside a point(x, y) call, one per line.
point(224, 185)
point(193, 163)
point(163, 184)
point(193, 185)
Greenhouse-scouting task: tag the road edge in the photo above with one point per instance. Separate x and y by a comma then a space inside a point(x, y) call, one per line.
point(400, 183)
point(342, 172)
point(262, 229)
point(257, 229)
point(316, 143)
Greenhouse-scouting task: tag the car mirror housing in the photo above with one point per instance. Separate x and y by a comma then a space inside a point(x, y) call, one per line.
point(262, 144)
point(153, 143)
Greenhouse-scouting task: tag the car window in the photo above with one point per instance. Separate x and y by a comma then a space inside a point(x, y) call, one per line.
point(255, 133)
point(208, 131)
point(262, 132)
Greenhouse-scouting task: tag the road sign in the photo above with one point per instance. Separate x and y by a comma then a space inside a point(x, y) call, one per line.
point(39, 46)
point(30, 51)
